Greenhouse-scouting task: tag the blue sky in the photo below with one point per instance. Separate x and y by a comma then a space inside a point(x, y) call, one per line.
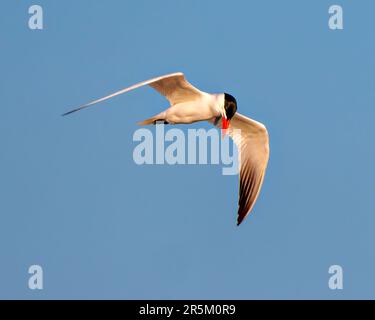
point(74, 201)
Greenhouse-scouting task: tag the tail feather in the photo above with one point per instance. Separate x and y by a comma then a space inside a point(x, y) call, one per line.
point(147, 121)
point(154, 120)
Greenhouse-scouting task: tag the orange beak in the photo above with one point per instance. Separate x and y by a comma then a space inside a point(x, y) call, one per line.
point(224, 126)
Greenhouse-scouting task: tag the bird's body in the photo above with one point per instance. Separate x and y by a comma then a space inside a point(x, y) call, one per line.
point(188, 105)
point(205, 108)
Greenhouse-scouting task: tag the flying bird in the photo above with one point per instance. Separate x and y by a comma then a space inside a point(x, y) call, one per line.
point(189, 104)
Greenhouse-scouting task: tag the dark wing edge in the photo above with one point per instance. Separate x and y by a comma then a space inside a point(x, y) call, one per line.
point(252, 140)
point(251, 180)
point(253, 146)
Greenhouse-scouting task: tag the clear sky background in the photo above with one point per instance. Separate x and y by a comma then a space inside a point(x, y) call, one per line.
point(73, 201)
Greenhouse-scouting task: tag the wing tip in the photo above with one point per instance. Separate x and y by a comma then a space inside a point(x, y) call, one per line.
point(75, 110)
point(67, 113)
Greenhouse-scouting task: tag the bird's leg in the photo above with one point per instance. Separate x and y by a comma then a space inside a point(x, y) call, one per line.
point(161, 121)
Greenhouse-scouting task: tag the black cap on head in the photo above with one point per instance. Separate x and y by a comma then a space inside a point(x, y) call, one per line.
point(230, 105)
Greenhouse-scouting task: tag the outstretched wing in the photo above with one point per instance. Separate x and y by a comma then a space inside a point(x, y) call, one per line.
point(173, 86)
point(251, 138)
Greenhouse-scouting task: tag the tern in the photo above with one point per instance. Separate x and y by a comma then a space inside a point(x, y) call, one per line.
point(189, 104)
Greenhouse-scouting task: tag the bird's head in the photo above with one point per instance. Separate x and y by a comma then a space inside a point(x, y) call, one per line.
point(230, 108)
